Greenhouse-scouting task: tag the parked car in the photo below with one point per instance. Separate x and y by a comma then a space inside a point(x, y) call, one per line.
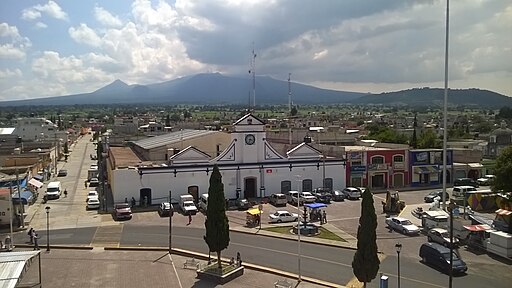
point(308, 197)
point(362, 189)
point(439, 256)
point(164, 209)
point(486, 180)
point(122, 211)
point(94, 182)
point(460, 191)
point(351, 193)
point(295, 198)
point(323, 195)
point(430, 197)
point(93, 203)
point(62, 173)
point(91, 194)
point(283, 216)
point(465, 182)
point(337, 195)
point(403, 225)
point(441, 236)
point(278, 199)
point(243, 204)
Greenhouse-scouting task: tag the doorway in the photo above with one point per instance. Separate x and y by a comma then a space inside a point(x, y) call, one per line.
point(145, 195)
point(194, 191)
point(250, 188)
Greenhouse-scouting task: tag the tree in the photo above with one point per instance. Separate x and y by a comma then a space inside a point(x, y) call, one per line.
point(414, 140)
point(294, 111)
point(503, 170)
point(167, 121)
point(428, 139)
point(366, 262)
point(216, 224)
point(66, 151)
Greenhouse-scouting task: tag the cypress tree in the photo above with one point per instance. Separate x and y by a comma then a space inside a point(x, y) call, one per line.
point(366, 262)
point(216, 224)
point(414, 141)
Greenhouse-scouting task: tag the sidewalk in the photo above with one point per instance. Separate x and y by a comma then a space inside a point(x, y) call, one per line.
point(113, 269)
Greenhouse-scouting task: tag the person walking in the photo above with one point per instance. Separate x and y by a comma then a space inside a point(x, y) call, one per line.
point(65, 193)
point(8, 243)
point(36, 242)
point(31, 235)
point(189, 219)
point(325, 217)
point(85, 183)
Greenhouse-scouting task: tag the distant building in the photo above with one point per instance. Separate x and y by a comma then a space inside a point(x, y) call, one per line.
point(38, 129)
point(499, 139)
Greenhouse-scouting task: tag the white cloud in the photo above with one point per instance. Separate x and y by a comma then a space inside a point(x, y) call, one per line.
point(9, 51)
point(106, 18)
point(40, 25)
point(51, 9)
point(9, 31)
point(14, 46)
point(85, 35)
point(8, 73)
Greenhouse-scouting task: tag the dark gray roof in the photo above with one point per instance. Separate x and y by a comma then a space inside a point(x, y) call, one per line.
point(170, 138)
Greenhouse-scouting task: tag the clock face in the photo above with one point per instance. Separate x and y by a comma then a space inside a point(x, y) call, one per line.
point(250, 139)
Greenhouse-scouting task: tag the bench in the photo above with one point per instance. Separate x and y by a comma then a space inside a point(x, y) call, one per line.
point(283, 284)
point(191, 264)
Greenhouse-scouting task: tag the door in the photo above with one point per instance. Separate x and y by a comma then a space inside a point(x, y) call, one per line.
point(194, 191)
point(398, 180)
point(250, 188)
point(145, 197)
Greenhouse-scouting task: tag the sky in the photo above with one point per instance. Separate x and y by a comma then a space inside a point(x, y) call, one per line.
point(62, 47)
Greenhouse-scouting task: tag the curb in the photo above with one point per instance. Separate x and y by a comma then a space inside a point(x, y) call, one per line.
point(202, 256)
point(277, 235)
point(63, 247)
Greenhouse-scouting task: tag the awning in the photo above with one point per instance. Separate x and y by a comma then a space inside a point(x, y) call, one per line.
point(503, 212)
point(476, 228)
point(254, 211)
point(26, 197)
point(35, 183)
point(426, 169)
point(14, 265)
point(315, 205)
point(475, 165)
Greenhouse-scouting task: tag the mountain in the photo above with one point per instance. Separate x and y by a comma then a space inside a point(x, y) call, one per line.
point(207, 88)
point(435, 96)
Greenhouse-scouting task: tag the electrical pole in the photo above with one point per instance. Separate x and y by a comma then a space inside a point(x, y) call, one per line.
point(289, 109)
point(22, 217)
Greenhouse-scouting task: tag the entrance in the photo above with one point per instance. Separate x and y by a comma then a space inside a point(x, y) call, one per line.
point(398, 180)
point(194, 191)
point(145, 195)
point(250, 188)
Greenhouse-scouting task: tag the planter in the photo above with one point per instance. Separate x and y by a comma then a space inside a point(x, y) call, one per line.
point(210, 273)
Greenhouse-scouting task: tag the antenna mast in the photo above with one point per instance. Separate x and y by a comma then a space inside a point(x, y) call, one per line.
point(289, 109)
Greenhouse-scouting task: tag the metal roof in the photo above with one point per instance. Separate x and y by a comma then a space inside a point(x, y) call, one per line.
point(12, 267)
point(170, 138)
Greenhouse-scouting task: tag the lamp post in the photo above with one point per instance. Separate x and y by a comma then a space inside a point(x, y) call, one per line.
point(398, 247)
point(298, 226)
point(171, 213)
point(451, 207)
point(47, 228)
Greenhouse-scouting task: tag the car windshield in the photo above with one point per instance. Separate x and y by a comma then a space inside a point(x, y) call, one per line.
point(277, 214)
point(445, 234)
point(406, 222)
point(122, 206)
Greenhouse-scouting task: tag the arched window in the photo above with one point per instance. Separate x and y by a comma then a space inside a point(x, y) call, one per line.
point(286, 186)
point(378, 160)
point(307, 185)
point(328, 183)
point(398, 158)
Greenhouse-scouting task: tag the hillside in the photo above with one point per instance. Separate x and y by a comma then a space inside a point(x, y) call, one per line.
point(435, 96)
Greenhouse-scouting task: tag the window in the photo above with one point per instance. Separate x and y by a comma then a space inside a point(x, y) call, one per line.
point(377, 160)
point(328, 183)
point(398, 158)
point(358, 162)
point(307, 185)
point(286, 186)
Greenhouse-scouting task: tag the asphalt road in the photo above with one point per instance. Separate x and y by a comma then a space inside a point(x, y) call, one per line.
point(322, 262)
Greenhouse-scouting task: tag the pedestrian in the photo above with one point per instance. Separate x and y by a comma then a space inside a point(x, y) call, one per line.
point(238, 259)
point(325, 217)
point(189, 219)
point(133, 202)
point(8, 243)
point(237, 194)
point(65, 193)
point(85, 183)
point(31, 235)
point(36, 242)
point(126, 200)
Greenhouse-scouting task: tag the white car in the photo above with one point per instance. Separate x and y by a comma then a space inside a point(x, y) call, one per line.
point(486, 180)
point(92, 194)
point(93, 203)
point(308, 197)
point(403, 225)
point(441, 236)
point(283, 216)
point(351, 193)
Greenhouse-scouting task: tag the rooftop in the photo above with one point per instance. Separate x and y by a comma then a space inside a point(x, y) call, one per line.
point(123, 157)
point(170, 138)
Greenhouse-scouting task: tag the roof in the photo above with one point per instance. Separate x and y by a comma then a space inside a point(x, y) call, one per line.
point(170, 138)
point(6, 131)
point(476, 228)
point(13, 266)
point(503, 212)
point(123, 157)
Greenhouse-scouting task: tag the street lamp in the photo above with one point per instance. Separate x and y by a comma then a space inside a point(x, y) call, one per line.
point(47, 228)
point(298, 225)
point(451, 207)
point(398, 247)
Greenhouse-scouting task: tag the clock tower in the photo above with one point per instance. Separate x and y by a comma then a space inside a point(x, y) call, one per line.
point(249, 136)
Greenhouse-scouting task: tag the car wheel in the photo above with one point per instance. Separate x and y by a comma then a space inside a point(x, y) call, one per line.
point(404, 232)
point(424, 259)
point(295, 220)
point(429, 239)
point(279, 221)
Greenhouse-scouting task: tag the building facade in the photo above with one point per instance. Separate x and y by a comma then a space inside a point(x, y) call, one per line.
point(426, 166)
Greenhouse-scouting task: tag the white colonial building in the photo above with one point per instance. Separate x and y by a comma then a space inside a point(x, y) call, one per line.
point(249, 166)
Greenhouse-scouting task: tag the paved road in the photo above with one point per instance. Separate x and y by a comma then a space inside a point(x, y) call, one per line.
point(322, 262)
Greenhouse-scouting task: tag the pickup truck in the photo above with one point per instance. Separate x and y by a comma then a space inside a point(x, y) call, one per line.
point(187, 205)
point(122, 211)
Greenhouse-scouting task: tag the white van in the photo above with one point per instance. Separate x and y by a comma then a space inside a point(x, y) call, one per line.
point(53, 190)
point(203, 202)
point(460, 191)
